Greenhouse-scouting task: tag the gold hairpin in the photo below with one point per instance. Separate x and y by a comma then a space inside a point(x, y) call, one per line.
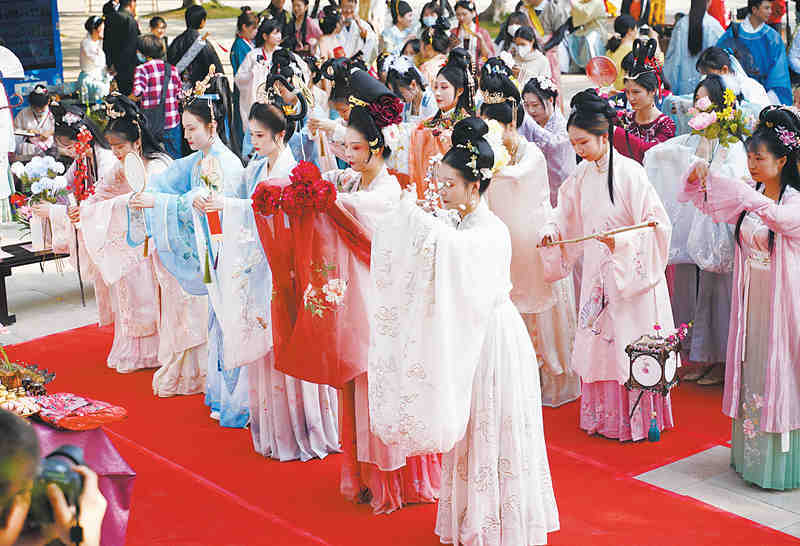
point(373, 143)
point(355, 101)
point(112, 112)
point(495, 98)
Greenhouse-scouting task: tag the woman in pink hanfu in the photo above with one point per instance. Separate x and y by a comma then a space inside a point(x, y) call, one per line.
point(126, 291)
point(762, 374)
point(624, 292)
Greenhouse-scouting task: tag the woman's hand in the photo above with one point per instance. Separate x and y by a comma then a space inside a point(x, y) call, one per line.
point(74, 214)
point(548, 239)
point(209, 203)
point(142, 201)
point(699, 174)
point(608, 241)
point(41, 209)
point(324, 125)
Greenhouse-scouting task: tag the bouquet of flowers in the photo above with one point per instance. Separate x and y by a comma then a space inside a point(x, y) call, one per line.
point(42, 179)
point(307, 191)
point(727, 124)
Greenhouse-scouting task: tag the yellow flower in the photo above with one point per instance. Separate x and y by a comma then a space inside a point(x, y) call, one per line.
point(729, 96)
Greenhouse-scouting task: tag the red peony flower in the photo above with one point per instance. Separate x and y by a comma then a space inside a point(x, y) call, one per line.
point(18, 200)
point(305, 173)
point(323, 195)
point(387, 110)
point(296, 198)
point(267, 199)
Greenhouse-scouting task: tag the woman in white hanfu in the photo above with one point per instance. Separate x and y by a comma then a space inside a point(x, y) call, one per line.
point(450, 358)
point(125, 288)
point(289, 418)
point(520, 196)
point(624, 291)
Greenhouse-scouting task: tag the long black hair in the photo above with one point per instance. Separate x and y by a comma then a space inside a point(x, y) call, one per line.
point(504, 38)
point(127, 121)
point(696, 14)
point(457, 72)
point(398, 9)
point(469, 144)
point(596, 116)
point(292, 32)
point(772, 120)
point(331, 15)
point(273, 118)
point(267, 26)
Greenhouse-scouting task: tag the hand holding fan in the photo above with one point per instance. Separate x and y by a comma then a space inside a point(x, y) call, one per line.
point(136, 175)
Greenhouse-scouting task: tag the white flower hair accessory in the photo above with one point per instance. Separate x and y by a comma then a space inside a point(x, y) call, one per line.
point(71, 118)
point(545, 82)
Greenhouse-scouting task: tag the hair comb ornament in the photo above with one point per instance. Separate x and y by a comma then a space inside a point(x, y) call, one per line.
point(112, 112)
point(496, 98)
point(199, 89)
point(788, 138)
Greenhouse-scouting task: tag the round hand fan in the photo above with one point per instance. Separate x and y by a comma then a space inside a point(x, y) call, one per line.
point(135, 173)
point(601, 71)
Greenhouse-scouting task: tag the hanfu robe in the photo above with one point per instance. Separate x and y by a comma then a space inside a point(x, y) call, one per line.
point(520, 196)
point(452, 369)
point(239, 51)
point(623, 294)
point(125, 285)
point(289, 418)
point(590, 36)
point(679, 64)
point(393, 479)
point(769, 55)
point(701, 252)
point(181, 237)
point(107, 232)
point(762, 381)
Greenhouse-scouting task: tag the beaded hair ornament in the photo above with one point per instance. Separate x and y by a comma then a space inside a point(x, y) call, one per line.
point(486, 172)
point(199, 92)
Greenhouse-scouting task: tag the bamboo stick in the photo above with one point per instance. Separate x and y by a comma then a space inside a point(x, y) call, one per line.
point(601, 234)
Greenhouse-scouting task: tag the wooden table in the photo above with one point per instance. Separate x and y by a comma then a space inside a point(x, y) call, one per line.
point(14, 256)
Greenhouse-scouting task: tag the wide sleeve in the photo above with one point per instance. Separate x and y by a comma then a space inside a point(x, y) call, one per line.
point(566, 223)
point(640, 256)
point(673, 57)
point(723, 200)
point(433, 291)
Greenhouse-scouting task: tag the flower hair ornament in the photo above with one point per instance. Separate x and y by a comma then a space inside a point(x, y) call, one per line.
point(788, 138)
point(545, 83)
point(199, 89)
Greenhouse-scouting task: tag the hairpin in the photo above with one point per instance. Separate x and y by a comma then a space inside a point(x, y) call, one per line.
point(199, 88)
point(112, 112)
point(355, 101)
point(496, 98)
point(545, 83)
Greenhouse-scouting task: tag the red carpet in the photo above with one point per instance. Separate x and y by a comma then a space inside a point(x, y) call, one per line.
point(199, 484)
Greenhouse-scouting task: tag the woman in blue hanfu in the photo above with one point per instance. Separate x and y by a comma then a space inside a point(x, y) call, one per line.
point(289, 418)
point(173, 202)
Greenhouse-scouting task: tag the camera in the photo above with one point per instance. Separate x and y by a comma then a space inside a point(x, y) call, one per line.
point(644, 30)
point(55, 468)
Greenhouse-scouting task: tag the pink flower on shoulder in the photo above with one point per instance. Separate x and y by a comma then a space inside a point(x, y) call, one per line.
point(702, 120)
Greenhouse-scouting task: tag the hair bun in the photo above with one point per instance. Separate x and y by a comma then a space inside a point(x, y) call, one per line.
point(778, 115)
point(469, 130)
point(245, 9)
point(590, 102)
point(441, 24)
point(459, 57)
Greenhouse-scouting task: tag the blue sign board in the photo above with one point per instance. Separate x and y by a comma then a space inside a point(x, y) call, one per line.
point(30, 29)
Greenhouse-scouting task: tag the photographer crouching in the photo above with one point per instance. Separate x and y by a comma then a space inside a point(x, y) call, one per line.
point(55, 500)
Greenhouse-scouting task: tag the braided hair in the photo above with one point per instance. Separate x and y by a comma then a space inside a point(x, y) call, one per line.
point(776, 125)
point(596, 116)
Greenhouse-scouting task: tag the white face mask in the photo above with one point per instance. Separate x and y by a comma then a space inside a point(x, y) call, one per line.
point(523, 51)
point(429, 20)
point(512, 30)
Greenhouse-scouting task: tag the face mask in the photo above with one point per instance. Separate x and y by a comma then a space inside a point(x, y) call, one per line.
point(512, 30)
point(429, 20)
point(523, 51)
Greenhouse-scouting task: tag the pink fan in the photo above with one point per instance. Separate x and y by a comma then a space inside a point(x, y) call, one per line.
point(601, 71)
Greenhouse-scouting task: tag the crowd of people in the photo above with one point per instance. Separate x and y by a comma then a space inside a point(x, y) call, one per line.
point(420, 321)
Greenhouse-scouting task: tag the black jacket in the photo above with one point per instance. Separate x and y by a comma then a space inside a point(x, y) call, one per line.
point(123, 47)
point(198, 68)
point(110, 14)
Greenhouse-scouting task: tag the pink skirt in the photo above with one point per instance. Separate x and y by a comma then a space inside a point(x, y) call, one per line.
point(606, 409)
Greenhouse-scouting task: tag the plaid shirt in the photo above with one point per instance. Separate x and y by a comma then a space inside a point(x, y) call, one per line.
point(147, 82)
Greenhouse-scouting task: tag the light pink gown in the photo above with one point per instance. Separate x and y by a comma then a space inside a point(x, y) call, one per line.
point(156, 322)
point(520, 196)
point(623, 294)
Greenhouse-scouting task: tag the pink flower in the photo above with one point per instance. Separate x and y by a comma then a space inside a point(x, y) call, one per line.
point(703, 103)
point(702, 120)
point(749, 428)
point(656, 327)
point(758, 400)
